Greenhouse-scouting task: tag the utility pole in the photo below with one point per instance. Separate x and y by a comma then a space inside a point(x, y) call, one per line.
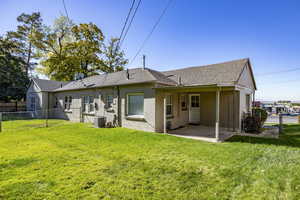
point(144, 61)
point(280, 123)
point(0, 122)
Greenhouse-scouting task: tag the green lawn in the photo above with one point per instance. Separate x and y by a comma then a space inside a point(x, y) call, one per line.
point(76, 161)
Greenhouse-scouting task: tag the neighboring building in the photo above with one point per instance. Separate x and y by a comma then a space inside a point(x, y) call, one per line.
point(276, 107)
point(257, 104)
point(296, 109)
point(215, 95)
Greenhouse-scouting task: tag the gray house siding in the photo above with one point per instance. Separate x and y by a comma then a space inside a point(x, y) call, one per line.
point(148, 124)
point(100, 96)
point(33, 92)
point(76, 113)
point(40, 100)
point(246, 87)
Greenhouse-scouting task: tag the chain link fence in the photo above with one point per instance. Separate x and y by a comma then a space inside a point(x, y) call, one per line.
point(50, 117)
point(13, 121)
point(286, 119)
point(280, 121)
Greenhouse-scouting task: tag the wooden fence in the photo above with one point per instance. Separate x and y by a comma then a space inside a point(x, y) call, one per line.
point(13, 107)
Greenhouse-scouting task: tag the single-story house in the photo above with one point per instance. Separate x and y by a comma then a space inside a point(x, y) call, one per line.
point(216, 96)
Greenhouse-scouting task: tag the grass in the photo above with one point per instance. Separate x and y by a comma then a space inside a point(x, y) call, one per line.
point(76, 161)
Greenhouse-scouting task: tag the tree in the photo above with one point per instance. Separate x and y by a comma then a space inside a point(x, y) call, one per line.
point(86, 49)
point(66, 49)
point(29, 23)
point(114, 58)
point(13, 78)
point(51, 43)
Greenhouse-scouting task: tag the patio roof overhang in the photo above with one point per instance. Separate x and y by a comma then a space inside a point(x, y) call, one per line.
point(197, 88)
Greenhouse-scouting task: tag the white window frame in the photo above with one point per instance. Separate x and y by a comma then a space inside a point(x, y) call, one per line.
point(109, 105)
point(170, 103)
point(127, 105)
point(88, 106)
point(68, 103)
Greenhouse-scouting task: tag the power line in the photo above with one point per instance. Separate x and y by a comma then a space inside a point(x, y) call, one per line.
point(131, 20)
point(281, 82)
point(279, 72)
point(66, 11)
point(125, 24)
point(152, 30)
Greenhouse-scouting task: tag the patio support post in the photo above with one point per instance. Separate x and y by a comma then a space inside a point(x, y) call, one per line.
point(165, 114)
point(217, 113)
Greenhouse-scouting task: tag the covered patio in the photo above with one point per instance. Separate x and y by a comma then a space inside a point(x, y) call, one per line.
point(208, 113)
point(204, 133)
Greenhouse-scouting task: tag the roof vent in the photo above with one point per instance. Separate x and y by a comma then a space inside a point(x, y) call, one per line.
point(144, 61)
point(127, 74)
point(179, 80)
point(78, 76)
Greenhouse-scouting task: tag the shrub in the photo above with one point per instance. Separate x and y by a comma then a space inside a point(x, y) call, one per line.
point(253, 123)
point(261, 113)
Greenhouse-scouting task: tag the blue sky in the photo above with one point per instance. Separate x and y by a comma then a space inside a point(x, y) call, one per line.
point(194, 32)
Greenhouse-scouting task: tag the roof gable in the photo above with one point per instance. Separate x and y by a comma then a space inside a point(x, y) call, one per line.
point(48, 85)
point(219, 74)
point(246, 78)
point(33, 87)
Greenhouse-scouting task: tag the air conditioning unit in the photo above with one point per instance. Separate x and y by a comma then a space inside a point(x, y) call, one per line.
point(99, 122)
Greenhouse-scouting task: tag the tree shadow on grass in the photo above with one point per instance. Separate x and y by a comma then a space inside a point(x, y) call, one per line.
point(17, 163)
point(290, 138)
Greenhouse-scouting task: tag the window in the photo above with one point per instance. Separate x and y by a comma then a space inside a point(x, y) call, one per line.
point(169, 108)
point(195, 101)
point(109, 101)
point(91, 104)
point(32, 103)
point(135, 104)
point(88, 104)
point(183, 100)
point(68, 102)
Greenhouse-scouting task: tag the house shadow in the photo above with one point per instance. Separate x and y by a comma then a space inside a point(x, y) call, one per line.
point(290, 138)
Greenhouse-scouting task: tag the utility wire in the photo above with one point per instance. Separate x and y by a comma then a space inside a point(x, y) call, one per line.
point(131, 20)
point(152, 30)
point(125, 24)
point(281, 82)
point(65, 8)
point(279, 72)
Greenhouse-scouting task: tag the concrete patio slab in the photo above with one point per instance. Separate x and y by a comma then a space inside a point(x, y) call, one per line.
point(199, 132)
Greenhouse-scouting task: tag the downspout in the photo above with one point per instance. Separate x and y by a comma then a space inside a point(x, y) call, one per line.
point(165, 115)
point(217, 125)
point(233, 117)
point(253, 97)
point(119, 107)
point(48, 107)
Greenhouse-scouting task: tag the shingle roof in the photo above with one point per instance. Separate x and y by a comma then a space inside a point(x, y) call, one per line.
point(137, 75)
point(221, 73)
point(161, 78)
point(48, 85)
